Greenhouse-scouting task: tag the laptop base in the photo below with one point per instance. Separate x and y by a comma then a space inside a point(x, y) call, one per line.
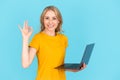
point(70, 66)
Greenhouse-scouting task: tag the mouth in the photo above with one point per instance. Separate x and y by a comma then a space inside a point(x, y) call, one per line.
point(50, 26)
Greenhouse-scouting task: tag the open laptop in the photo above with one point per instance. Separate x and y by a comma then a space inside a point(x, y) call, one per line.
point(85, 59)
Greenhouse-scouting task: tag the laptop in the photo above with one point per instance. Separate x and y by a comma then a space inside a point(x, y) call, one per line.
point(85, 59)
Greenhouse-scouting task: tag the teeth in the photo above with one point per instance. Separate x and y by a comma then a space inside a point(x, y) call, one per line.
point(50, 26)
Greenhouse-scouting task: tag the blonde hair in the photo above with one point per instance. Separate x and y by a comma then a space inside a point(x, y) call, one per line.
point(58, 15)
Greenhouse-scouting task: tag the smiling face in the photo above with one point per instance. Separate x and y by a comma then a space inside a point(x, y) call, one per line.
point(50, 21)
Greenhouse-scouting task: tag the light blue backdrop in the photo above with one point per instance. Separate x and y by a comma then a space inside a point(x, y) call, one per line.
point(85, 21)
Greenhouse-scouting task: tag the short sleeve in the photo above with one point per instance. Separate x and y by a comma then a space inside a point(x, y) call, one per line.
point(66, 41)
point(35, 43)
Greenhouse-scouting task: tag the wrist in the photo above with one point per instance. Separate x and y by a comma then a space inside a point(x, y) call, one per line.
point(25, 39)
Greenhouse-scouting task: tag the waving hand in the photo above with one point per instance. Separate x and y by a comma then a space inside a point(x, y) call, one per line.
point(26, 30)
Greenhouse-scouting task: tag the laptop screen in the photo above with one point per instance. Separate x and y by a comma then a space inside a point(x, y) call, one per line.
point(87, 53)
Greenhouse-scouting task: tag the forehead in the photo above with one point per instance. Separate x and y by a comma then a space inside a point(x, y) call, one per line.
point(50, 13)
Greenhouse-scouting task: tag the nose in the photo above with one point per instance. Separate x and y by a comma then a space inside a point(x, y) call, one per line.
point(50, 21)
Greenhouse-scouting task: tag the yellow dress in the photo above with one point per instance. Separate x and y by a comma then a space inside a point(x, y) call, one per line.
point(50, 54)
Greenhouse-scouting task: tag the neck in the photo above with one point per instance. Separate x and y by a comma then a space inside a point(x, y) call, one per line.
point(51, 33)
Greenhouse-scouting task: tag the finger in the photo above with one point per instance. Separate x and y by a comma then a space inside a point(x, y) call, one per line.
point(26, 24)
point(82, 68)
point(84, 65)
point(20, 28)
point(30, 30)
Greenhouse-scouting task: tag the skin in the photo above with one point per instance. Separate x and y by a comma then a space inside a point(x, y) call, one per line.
point(28, 53)
point(81, 68)
point(50, 23)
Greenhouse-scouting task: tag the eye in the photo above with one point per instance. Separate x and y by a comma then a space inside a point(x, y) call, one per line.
point(54, 18)
point(46, 18)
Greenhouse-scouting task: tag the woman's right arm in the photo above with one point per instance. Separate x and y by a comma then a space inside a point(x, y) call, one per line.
point(28, 53)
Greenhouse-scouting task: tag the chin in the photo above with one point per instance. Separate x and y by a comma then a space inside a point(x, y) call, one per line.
point(51, 29)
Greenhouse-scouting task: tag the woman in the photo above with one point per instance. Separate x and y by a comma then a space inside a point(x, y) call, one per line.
point(49, 45)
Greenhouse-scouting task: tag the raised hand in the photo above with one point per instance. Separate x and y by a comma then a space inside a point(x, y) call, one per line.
point(26, 30)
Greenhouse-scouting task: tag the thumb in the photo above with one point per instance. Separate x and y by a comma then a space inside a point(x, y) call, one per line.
point(20, 28)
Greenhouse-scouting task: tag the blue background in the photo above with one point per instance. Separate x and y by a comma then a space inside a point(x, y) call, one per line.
point(85, 21)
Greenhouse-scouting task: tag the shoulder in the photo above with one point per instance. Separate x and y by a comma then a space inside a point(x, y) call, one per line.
point(37, 35)
point(63, 36)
